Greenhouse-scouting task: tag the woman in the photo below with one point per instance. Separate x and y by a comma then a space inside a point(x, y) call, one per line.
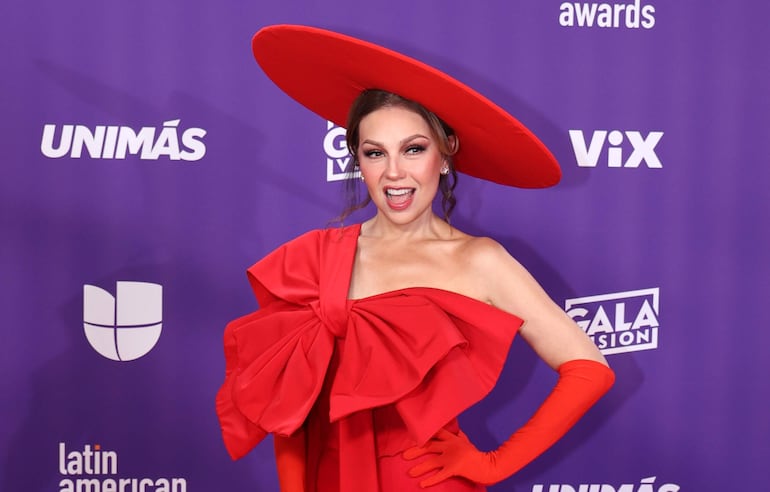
point(372, 338)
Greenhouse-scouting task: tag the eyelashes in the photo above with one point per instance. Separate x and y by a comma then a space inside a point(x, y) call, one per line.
point(371, 154)
point(415, 149)
point(410, 150)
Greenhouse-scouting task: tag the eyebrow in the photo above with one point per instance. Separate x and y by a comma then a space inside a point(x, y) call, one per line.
point(401, 143)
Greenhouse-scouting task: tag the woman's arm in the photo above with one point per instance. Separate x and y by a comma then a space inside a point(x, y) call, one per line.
point(584, 377)
point(551, 333)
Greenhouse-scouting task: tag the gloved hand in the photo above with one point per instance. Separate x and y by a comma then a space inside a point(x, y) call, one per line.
point(581, 383)
point(455, 456)
point(290, 460)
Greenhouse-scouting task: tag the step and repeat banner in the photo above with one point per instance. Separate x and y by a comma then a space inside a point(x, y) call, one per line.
point(147, 162)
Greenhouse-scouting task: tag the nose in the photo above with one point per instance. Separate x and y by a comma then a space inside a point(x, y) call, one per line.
point(395, 168)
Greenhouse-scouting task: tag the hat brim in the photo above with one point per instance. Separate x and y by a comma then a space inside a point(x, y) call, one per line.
point(325, 71)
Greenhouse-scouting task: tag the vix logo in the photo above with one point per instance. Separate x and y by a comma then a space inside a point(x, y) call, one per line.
point(619, 322)
point(339, 164)
point(643, 148)
point(125, 326)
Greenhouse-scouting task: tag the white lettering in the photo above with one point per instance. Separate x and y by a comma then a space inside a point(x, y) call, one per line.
point(93, 141)
point(109, 462)
point(65, 141)
point(110, 139)
point(645, 485)
point(627, 341)
point(578, 313)
point(132, 142)
point(74, 463)
point(335, 145)
point(607, 15)
point(62, 461)
point(338, 158)
point(632, 15)
point(342, 164)
point(168, 142)
point(585, 14)
point(91, 461)
point(192, 140)
point(643, 148)
point(114, 142)
point(607, 320)
point(604, 19)
point(668, 487)
point(620, 317)
point(649, 22)
point(615, 154)
point(87, 485)
point(601, 323)
point(587, 156)
point(646, 317)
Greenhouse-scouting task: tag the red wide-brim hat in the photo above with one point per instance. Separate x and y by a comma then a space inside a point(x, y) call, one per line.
point(325, 71)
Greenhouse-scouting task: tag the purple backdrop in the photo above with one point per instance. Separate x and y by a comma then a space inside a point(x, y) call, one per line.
point(142, 145)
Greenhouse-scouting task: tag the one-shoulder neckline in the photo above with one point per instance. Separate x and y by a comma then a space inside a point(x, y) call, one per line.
point(416, 290)
point(432, 292)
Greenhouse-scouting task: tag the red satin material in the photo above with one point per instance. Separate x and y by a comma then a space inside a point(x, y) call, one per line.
point(404, 364)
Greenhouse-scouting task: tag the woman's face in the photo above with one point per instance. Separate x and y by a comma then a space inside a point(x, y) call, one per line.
point(400, 162)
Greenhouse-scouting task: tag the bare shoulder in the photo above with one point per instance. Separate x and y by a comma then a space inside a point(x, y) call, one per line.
point(506, 284)
point(487, 256)
point(503, 281)
point(490, 272)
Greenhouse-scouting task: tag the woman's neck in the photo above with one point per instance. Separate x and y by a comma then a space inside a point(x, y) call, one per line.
point(428, 227)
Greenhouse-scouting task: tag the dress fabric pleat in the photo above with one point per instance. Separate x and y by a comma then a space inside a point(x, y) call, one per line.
point(367, 378)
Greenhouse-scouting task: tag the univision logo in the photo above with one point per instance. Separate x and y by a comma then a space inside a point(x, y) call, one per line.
point(125, 326)
point(339, 163)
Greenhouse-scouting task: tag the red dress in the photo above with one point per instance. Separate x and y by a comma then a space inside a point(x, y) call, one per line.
point(368, 378)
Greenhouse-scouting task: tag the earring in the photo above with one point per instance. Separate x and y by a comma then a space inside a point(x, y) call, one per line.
point(444, 169)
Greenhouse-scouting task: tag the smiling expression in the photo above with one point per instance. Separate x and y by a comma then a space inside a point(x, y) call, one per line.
point(400, 162)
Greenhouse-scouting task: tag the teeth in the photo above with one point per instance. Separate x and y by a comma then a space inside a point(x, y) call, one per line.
point(399, 192)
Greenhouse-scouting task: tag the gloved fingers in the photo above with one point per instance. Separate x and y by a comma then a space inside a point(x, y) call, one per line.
point(435, 447)
point(438, 477)
point(414, 452)
point(424, 467)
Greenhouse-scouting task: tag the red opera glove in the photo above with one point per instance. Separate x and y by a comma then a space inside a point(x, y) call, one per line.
point(581, 383)
point(290, 461)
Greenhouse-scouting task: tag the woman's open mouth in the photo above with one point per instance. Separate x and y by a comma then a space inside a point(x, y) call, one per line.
point(399, 198)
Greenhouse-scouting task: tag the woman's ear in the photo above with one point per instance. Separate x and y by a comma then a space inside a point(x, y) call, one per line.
point(454, 143)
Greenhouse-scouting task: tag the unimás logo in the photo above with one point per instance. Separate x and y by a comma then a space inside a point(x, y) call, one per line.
point(96, 470)
point(116, 142)
point(612, 15)
point(339, 164)
point(611, 147)
point(645, 485)
point(619, 322)
point(126, 326)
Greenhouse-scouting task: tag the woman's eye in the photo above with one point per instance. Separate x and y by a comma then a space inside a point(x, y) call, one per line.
point(373, 153)
point(414, 149)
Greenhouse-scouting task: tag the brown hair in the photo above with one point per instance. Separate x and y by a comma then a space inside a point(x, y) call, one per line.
point(371, 100)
